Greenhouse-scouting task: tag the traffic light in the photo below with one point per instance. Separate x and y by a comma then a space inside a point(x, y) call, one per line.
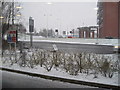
point(56, 30)
point(70, 31)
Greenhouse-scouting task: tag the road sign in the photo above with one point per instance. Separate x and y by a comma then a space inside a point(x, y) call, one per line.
point(31, 24)
point(11, 36)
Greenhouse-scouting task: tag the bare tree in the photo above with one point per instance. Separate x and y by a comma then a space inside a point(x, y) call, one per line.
point(9, 14)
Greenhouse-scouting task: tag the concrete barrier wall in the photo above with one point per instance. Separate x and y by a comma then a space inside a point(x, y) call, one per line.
point(82, 40)
point(73, 40)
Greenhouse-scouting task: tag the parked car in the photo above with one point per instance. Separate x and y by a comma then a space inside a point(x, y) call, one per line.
point(70, 37)
point(108, 37)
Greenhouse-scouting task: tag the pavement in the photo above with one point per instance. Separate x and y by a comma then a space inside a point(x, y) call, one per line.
point(105, 86)
point(14, 80)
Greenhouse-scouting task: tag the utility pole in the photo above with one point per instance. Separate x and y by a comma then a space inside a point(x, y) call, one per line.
point(13, 27)
point(13, 12)
point(1, 28)
point(56, 30)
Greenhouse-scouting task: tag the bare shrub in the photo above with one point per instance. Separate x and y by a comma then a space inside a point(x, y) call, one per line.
point(72, 63)
point(48, 61)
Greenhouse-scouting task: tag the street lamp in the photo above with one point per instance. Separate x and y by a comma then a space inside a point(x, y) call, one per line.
point(56, 30)
point(18, 7)
point(96, 8)
point(47, 22)
point(18, 15)
point(1, 36)
point(49, 3)
point(1, 17)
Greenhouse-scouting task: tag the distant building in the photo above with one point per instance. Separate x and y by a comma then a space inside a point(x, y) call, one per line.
point(108, 19)
point(51, 33)
point(88, 32)
point(75, 33)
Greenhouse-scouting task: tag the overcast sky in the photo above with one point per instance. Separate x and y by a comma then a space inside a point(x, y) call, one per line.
point(60, 15)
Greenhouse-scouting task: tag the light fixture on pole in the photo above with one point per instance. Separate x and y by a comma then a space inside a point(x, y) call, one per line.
point(96, 8)
point(1, 17)
point(18, 7)
point(18, 15)
point(49, 3)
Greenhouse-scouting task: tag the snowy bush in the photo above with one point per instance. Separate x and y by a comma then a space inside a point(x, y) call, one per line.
point(72, 63)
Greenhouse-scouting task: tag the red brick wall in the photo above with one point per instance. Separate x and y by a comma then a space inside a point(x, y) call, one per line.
point(92, 34)
point(87, 34)
point(110, 20)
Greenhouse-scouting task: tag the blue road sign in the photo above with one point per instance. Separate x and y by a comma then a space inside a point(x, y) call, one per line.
point(9, 38)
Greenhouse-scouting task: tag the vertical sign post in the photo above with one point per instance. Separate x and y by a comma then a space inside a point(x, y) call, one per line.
point(56, 30)
point(11, 38)
point(31, 29)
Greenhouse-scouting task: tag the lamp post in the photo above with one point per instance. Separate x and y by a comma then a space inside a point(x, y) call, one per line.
point(1, 18)
point(18, 7)
point(47, 23)
point(17, 20)
point(49, 3)
point(56, 30)
point(13, 12)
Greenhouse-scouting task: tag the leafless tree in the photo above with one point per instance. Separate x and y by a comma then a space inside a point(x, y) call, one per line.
point(9, 14)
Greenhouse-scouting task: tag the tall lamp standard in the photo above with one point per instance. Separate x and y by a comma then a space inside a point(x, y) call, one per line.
point(1, 18)
point(18, 15)
point(49, 3)
point(56, 30)
point(47, 23)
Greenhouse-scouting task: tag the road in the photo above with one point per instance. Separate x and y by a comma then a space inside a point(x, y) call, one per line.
point(68, 47)
point(13, 80)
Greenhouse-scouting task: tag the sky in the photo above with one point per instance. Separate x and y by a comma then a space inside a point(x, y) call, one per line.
point(63, 16)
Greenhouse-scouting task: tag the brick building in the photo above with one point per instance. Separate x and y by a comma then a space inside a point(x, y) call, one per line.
point(108, 19)
point(88, 32)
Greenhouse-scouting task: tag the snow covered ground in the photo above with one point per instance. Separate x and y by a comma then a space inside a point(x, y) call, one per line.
point(63, 74)
point(60, 72)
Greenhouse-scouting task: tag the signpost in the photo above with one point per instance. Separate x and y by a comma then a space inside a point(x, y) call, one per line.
point(56, 30)
point(11, 38)
point(31, 29)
